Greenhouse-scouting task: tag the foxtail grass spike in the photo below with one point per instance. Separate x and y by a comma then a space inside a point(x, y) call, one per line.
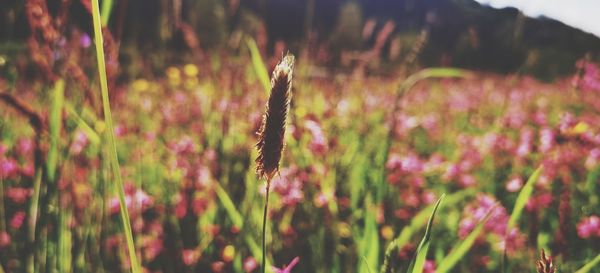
point(270, 141)
point(545, 264)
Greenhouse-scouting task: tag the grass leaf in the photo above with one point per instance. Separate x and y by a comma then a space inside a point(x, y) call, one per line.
point(459, 251)
point(110, 137)
point(55, 127)
point(369, 244)
point(523, 197)
point(417, 222)
point(238, 220)
point(106, 11)
point(418, 261)
point(589, 266)
point(259, 65)
point(520, 203)
point(434, 72)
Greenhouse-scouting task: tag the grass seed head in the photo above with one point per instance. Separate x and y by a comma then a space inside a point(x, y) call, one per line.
point(271, 134)
point(545, 264)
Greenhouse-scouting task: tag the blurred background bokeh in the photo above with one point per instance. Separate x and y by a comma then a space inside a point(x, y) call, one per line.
point(394, 103)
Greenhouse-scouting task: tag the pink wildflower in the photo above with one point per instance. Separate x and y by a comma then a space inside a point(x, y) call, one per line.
point(514, 184)
point(18, 195)
point(17, 220)
point(589, 227)
point(288, 268)
point(250, 264)
point(8, 167)
point(189, 256)
point(4, 239)
point(429, 266)
point(79, 143)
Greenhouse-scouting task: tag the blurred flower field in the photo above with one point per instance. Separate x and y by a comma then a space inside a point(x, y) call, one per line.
point(388, 165)
point(185, 143)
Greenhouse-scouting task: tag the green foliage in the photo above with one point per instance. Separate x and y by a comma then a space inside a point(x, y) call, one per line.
point(461, 248)
point(418, 261)
point(369, 244)
point(259, 65)
point(523, 197)
point(590, 265)
point(55, 127)
point(110, 139)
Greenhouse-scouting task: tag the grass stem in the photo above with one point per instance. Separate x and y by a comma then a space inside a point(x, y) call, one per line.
point(264, 227)
point(110, 137)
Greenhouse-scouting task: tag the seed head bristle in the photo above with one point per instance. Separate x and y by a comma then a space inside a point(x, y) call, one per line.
point(545, 264)
point(271, 134)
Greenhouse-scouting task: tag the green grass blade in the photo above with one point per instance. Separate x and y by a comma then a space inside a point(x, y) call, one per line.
point(418, 261)
point(55, 127)
point(419, 221)
point(227, 203)
point(106, 11)
point(369, 243)
point(520, 203)
point(589, 266)
point(367, 264)
point(459, 251)
point(110, 136)
point(523, 197)
point(81, 124)
point(238, 220)
point(434, 72)
point(259, 65)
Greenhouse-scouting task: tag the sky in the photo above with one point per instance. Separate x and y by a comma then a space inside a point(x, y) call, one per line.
point(582, 14)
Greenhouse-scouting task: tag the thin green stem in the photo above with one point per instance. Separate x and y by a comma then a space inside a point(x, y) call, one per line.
point(264, 228)
point(112, 148)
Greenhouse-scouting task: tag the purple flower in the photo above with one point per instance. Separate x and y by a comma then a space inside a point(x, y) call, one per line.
point(546, 139)
point(318, 142)
point(591, 76)
point(4, 239)
point(288, 268)
point(288, 188)
point(514, 184)
point(85, 41)
point(79, 143)
point(18, 194)
point(593, 158)
point(8, 167)
point(250, 264)
point(25, 147)
point(525, 143)
point(589, 227)
point(17, 220)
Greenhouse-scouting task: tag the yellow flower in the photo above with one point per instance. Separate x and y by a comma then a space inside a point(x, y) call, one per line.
point(228, 253)
point(344, 230)
point(99, 126)
point(581, 128)
point(173, 73)
point(387, 232)
point(140, 85)
point(191, 83)
point(190, 70)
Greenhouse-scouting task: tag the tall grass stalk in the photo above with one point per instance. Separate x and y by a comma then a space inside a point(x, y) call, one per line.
point(459, 250)
point(271, 134)
point(237, 219)
point(259, 65)
point(418, 262)
point(264, 227)
point(522, 199)
point(405, 86)
point(590, 265)
point(106, 11)
point(111, 145)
